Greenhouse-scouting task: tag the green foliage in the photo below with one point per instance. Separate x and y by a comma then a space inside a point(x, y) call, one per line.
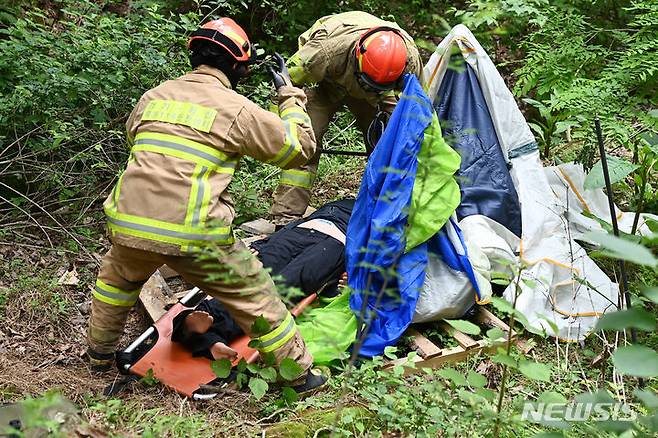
point(617, 167)
point(464, 326)
point(68, 84)
point(636, 360)
point(635, 318)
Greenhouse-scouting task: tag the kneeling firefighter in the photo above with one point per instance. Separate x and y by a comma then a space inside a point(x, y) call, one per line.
point(187, 136)
point(356, 60)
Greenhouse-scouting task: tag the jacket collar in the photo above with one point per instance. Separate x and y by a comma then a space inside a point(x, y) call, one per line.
point(204, 72)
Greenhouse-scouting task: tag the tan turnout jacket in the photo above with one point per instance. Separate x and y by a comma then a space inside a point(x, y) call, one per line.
point(327, 54)
point(187, 136)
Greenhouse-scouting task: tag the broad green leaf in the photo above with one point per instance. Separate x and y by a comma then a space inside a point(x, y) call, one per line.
point(253, 368)
point(535, 370)
point(268, 358)
point(289, 369)
point(451, 374)
point(389, 352)
point(495, 333)
point(634, 317)
point(269, 374)
point(504, 359)
point(464, 326)
point(502, 305)
point(242, 366)
point(623, 249)
point(652, 224)
point(551, 397)
point(258, 387)
point(648, 397)
point(289, 395)
point(476, 380)
point(651, 293)
point(488, 394)
point(549, 435)
point(260, 326)
point(617, 167)
point(221, 368)
point(636, 360)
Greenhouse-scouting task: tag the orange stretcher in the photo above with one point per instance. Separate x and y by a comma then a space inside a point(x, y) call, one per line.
point(154, 354)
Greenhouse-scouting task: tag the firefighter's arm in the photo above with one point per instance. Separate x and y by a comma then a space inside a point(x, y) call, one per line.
point(310, 63)
point(285, 140)
point(133, 121)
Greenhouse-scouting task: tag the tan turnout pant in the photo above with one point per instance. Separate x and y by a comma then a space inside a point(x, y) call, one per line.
point(237, 279)
point(293, 193)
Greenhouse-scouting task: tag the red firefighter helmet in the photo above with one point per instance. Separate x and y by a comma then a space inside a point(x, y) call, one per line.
point(227, 34)
point(381, 57)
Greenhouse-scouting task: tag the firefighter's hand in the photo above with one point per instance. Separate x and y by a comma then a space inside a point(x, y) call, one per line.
point(376, 129)
point(279, 71)
point(220, 350)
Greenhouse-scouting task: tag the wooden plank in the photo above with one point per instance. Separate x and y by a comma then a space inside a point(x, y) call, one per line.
point(155, 295)
point(168, 272)
point(422, 345)
point(309, 211)
point(483, 316)
point(462, 338)
point(249, 240)
point(258, 226)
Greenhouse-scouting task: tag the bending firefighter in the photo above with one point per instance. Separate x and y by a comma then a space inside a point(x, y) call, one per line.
point(356, 60)
point(187, 136)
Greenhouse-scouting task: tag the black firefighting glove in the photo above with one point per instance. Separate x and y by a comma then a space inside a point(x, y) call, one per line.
point(376, 129)
point(279, 71)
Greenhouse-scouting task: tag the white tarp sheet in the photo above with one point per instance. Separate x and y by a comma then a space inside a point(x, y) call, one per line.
point(567, 288)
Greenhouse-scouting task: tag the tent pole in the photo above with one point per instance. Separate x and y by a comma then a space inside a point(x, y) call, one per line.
point(615, 227)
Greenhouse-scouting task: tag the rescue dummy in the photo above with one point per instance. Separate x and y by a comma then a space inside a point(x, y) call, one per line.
point(351, 59)
point(308, 254)
point(172, 203)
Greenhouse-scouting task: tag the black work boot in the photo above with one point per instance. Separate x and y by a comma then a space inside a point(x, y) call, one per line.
point(100, 362)
point(315, 379)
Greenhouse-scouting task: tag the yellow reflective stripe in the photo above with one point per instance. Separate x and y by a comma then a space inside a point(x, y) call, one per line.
point(297, 178)
point(295, 115)
point(197, 206)
point(189, 114)
point(291, 147)
point(279, 336)
point(113, 295)
point(166, 232)
point(237, 39)
point(186, 149)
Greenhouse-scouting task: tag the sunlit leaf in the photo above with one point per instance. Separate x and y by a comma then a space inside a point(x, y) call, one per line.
point(618, 169)
point(221, 368)
point(258, 387)
point(451, 374)
point(535, 370)
point(651, 293)
point(636, 318)
point(464, 326)
point(623, 249)
point(289, 369)
point(476, 380)
point(636, 360)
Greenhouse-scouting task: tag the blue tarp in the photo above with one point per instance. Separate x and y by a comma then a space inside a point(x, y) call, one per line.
point(485, 182)
point(375, 257)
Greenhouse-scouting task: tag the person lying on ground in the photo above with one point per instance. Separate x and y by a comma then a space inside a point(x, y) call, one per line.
point(308, 254)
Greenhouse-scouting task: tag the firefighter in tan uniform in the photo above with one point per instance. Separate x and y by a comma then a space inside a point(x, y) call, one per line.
point(187, 137)
point(356, 60)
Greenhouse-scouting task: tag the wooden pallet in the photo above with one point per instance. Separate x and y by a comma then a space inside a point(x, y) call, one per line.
point(430, 355)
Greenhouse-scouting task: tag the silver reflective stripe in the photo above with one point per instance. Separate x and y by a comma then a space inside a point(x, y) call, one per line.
point(163, 232)
point(116, 296)
point(199, 196)
point(291, 326)
point(189, 150)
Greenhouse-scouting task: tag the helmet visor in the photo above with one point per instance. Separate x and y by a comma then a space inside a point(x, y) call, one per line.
point(369, 85)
